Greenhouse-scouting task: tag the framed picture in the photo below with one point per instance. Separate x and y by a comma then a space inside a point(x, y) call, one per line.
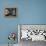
point(32, 32)
point(10, 11)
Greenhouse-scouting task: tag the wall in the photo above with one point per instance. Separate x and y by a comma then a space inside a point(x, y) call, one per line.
point(32, 11)
point(7, 24)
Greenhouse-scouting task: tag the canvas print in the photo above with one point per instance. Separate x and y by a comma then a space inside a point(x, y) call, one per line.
point(10, 11)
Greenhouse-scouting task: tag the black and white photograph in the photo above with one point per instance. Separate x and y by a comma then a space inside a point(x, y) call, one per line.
point(10, 12)
point(32, 34)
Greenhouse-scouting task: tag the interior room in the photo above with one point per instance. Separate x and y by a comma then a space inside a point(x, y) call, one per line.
point(29, 12)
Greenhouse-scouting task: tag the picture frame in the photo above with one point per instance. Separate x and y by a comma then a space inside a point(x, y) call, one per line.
point(10, 12)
